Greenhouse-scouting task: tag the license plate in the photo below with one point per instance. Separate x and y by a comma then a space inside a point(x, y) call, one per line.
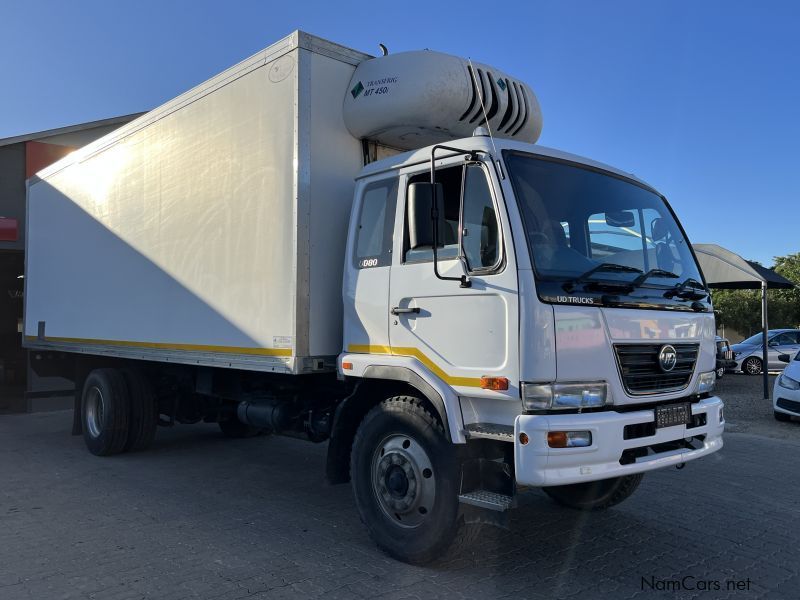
point(673, 414)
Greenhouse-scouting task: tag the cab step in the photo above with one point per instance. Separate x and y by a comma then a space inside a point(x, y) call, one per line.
point(490, 431)
point(487, 499)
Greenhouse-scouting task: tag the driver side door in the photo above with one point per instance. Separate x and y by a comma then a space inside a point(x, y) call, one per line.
point(459, 334)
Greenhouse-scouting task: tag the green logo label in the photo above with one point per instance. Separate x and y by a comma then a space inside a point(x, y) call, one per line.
point(357, 89)
point(501, 83)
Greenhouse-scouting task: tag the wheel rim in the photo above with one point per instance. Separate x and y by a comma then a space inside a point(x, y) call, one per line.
point(403, 480)
point(95, 408)
point(753, 367)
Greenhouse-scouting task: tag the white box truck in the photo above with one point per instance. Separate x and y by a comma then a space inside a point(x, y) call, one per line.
point(373, 252)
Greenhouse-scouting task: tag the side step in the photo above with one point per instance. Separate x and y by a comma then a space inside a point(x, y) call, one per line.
point(486, 499)
point(490, 431)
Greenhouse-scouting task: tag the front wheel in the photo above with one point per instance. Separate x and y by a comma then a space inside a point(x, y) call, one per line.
point(595, 495)
point(404, 474)
point(752, 366)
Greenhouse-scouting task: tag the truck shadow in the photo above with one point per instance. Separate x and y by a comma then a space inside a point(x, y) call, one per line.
point(276, 480)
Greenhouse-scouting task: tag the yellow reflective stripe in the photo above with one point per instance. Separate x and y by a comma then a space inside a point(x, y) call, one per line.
point(165, 346)
point(416, 353)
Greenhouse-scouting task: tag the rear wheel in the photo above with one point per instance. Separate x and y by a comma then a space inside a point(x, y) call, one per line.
point(105, 412)
point(779, 416)
point(404, 474)
point(595, 495)
point(752, 366)
point(144, 415)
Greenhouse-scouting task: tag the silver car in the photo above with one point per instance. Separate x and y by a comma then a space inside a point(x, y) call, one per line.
point(748, 353)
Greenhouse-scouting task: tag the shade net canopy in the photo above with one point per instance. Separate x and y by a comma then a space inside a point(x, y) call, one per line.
point(724, 269)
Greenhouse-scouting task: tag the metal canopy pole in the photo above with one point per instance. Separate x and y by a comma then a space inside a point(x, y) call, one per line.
point(764, 349)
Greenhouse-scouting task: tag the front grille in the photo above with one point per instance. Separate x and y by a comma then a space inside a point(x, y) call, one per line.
point(641, 373)
point(791, 405)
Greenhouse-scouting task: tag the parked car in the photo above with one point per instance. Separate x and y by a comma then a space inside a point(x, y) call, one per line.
point(724, 356)
point(748, 353)
point(786, 393)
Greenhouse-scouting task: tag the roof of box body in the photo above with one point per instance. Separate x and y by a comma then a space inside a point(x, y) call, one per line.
point(296, 39)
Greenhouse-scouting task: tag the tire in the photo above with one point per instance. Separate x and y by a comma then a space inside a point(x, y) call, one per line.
point(144, 414)
point(105, 412)
point(595, 495)
point(405, 481)
point(235, 429)
point(752, 366)
point(779, 416)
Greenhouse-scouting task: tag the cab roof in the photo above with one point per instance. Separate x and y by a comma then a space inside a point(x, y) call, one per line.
point(484, 144)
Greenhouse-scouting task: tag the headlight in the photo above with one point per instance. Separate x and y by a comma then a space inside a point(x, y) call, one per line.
point(788, 383)
point(560, 396)
point(706, 382)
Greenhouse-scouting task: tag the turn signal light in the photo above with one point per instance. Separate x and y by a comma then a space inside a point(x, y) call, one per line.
point(347, 366)
point(569, 439)
point(497, 384)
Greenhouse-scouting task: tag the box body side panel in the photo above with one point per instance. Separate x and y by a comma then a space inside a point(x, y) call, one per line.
point(178, 236)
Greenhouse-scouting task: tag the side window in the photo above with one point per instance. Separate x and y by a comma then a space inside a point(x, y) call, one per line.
point(450, 178)
point(479, 226)
point(373, 247)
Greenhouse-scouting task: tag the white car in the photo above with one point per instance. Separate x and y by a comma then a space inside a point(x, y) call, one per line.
point(786, 394)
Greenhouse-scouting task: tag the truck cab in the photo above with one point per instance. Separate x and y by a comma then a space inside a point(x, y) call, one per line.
point(564, 329)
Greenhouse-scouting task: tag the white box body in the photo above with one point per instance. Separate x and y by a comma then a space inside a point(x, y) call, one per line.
point(212, 229)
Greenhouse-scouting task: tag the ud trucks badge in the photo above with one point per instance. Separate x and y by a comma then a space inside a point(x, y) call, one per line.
point(667, 358)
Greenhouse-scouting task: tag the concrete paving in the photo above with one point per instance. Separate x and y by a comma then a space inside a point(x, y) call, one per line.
point(201, 516)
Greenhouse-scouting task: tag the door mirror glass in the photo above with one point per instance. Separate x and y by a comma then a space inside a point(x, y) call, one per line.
point(420, 216)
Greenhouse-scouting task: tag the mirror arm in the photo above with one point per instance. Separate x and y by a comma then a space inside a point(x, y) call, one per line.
point(471, 155)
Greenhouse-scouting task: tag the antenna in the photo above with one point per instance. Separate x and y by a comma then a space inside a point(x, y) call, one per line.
point(483, 106)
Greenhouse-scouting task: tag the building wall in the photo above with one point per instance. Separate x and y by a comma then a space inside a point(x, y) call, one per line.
point(21, 387)
point(12, 191)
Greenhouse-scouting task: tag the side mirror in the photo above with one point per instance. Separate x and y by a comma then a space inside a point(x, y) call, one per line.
point(420, 217)
point(784, 358)
point(621, 218)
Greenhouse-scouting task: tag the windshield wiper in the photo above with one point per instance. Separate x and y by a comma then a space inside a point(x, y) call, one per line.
point(653, 273)
point(687, 290)
point(603, 268)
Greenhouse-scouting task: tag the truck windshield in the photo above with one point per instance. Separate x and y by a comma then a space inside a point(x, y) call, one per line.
point(586, 228)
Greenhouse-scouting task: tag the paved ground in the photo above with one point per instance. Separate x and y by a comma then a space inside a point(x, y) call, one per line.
point(746, 411)
point(200, 516)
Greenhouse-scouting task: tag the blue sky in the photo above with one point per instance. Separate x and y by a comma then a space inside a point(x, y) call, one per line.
point(700, 99)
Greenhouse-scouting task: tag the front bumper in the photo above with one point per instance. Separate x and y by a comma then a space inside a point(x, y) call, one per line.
point(539, 465)
point(786, 401)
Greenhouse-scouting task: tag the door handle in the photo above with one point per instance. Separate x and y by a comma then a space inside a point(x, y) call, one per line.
point(405, 311)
